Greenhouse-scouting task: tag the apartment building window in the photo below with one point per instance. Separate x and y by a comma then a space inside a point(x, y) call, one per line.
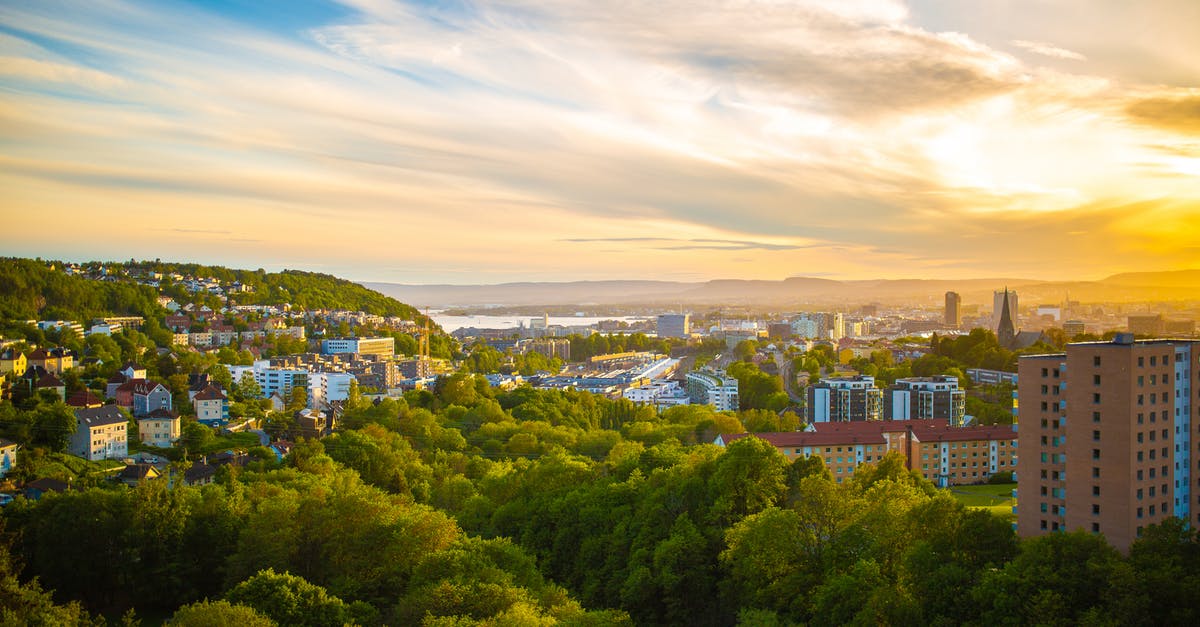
point(1095, 436)
point(1153, 360)
point(1095, 416)
point(1045, 373)
point(1095, 379)
point(1096, 472)
point(1141, 362)
point(1096, 453)
point(1139, 512)
point(1139, 456)
point(1095, 490)
point(1141, 418)
point(1096, 508)
point(1095, 527)
point(1096, 398)
point(1139, 437)
point(1139, 494)
point(1096, 360)
point(1152, 510)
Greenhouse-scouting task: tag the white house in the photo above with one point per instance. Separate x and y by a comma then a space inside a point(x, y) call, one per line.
point(100, 433)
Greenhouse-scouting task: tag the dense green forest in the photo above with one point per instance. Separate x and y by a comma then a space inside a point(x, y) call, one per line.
point(33, 289)
point(465, 506)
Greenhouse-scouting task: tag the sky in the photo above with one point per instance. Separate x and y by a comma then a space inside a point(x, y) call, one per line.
point(553, 140)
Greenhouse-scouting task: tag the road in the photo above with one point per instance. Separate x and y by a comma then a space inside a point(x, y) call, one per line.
point(789, 378)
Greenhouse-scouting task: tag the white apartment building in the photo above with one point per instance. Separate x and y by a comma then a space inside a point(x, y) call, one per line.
point(327, 387)
point(661, 394)
point(713, 388)
point(100, 433)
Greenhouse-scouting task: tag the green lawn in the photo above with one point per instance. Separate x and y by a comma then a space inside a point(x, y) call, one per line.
point(996, 498)
point(63, 467)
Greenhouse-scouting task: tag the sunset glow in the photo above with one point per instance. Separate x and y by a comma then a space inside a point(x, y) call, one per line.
point(555, 140)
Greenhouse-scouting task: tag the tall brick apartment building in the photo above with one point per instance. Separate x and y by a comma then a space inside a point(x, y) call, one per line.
point(1107, 437)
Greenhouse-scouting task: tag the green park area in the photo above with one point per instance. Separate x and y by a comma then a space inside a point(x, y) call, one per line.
point(994, 497)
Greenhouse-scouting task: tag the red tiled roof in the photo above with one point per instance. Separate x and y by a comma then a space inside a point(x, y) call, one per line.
point(50, 381)
point(961, 434)
point(796, 439)
point(84, 398)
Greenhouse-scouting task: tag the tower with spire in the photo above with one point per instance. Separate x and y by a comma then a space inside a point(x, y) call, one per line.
point(1006, 332)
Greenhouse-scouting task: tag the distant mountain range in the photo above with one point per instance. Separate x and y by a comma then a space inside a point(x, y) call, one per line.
point(1128, 287)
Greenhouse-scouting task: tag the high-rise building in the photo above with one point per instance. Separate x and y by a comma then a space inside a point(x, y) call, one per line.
point(1107, 437)
point(820, 325)
point(675, 325)
point(953, 309)
point(836, 325)
point(843, 399)
point(918, 398)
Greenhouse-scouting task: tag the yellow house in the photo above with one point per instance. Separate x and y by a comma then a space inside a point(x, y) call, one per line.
point(13, 361)
point(159, 428)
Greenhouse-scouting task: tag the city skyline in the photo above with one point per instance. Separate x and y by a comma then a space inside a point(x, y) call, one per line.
point(484, 143)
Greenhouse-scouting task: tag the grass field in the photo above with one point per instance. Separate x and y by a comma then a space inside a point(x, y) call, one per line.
point(996, 498)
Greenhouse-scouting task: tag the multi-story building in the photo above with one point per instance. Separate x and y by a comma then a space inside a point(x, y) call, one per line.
point(820, 325)
point(552, 347)
point(1108, 437)
point(149, 396)
point(100, 433)
point(13, 361)
point(54, 360)
point(212, 406)
point(707, 387)
point(953, 314)
point(326, 387)
point(271, 379)
point(675, 325)
point(359, 345)
point(159, 428)
point(926, 397)
point(661, 394)
point(944, 454)
point(844, 399)
point(1147, 324)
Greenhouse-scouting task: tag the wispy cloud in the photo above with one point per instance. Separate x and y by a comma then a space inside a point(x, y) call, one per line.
point(666, 243)
point(688, 136)
point(1048, 50)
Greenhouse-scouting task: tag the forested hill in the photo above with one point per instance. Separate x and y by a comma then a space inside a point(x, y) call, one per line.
point(37, 289)
point(30, 289)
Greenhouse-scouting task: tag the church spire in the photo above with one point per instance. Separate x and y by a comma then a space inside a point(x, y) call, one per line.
point(1006, 333)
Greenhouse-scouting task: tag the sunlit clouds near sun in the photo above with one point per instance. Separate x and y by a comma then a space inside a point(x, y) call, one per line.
point(481, 142)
